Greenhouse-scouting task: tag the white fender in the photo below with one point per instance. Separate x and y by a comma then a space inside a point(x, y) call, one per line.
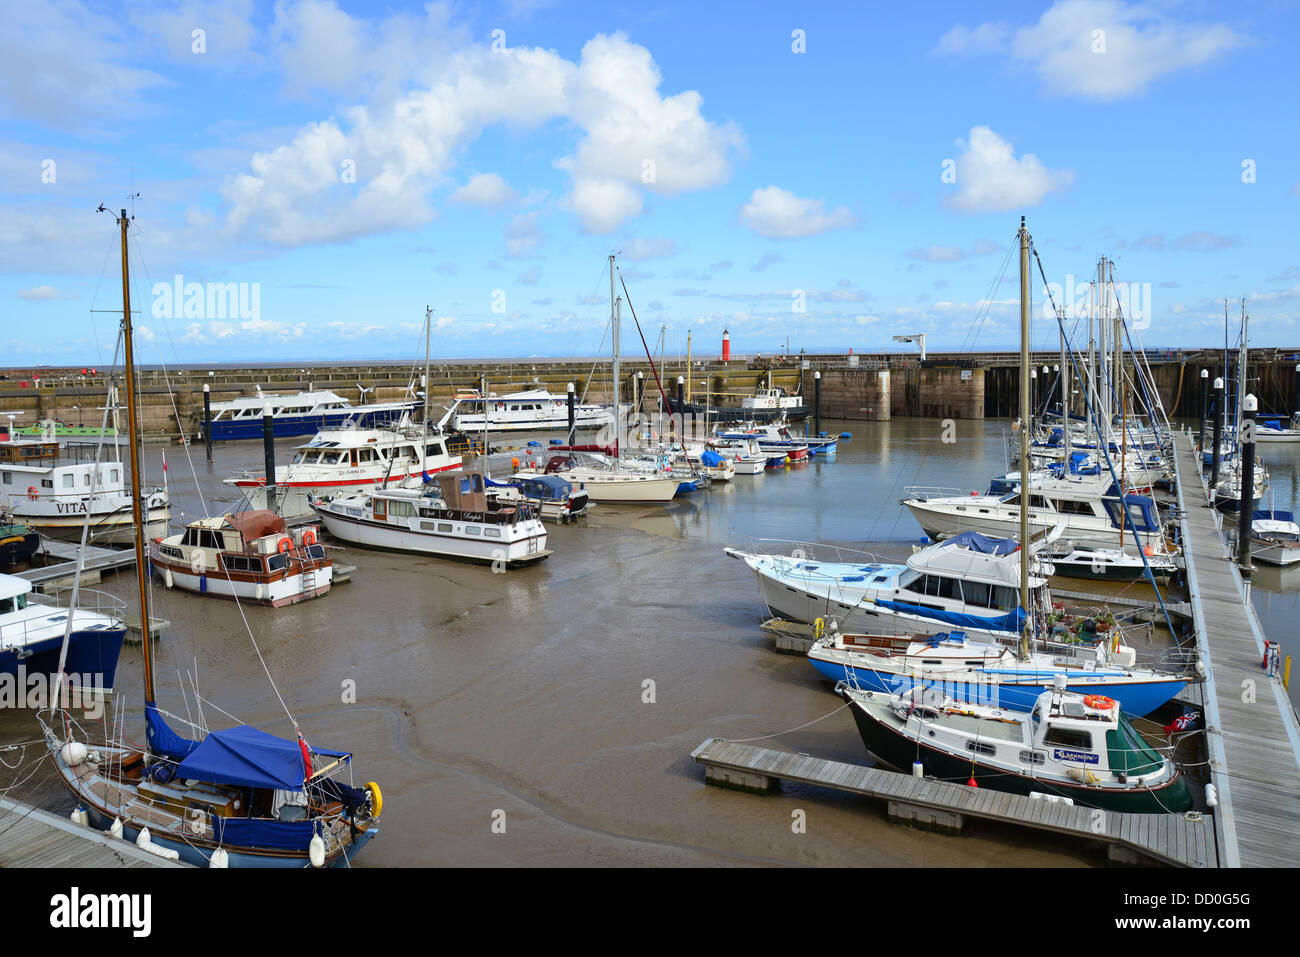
point(115, 829)
point(80, 816)
point(316, 851)
point(145, 843)
point(219, 858)
point(73, 753)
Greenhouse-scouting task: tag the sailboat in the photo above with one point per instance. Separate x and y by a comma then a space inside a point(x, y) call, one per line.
point(234, 797)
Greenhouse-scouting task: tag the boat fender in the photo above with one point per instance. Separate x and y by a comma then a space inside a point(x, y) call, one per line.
point(918, 769)
point(309, 537)
point(145, 843)
point(316, 851)
point(1211, 796)
point(115, 829)
point(33, 492)
point(80, 816)
point(167, 578)
point(73, 754)
point(219, 859)
point(285, 546)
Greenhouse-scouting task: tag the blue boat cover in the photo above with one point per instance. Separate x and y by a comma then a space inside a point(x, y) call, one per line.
point(1142, 513)
point(710, 458)
point(984, 544)
point(1275, 516)
point(252, 758)
point(550, 488)
point(163, 741)
point(1011, 622)
point(237, 832)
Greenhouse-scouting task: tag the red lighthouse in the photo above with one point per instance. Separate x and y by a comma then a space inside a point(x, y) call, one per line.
point(726, 345)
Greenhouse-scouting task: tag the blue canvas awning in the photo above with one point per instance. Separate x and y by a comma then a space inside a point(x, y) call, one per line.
point(251, 758)
point(984, 544)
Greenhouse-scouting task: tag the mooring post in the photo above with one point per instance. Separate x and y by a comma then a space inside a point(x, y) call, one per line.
point(572, 413)
point(1218, 434)
point(1205, 399)
point(1246, 444)
point(207, 419)
point(268, 450)
point(817, 403)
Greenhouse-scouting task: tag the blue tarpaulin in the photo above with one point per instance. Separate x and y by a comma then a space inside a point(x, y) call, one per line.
point(1275, 516)
point(710, 458)
point(163, 741)
point(249, 757)
point(984, 544)
point(1010, 622)
point(268, 835)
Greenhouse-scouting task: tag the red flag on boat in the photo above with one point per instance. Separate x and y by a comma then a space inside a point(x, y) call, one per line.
point(1183, 722)
point(306, 756)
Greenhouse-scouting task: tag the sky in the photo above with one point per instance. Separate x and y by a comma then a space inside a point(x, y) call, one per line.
point(307, 176)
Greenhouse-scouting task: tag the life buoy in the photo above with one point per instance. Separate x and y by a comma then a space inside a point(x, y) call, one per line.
point(1099, 701)
point(309, 537)
point(33, 492)
point(376, 799)
point(285, 546)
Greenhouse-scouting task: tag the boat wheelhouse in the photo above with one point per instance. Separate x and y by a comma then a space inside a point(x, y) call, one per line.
point(349, 460)
point(246, 555)
point(1275, 537)
point(449, 517)
point(299, 413)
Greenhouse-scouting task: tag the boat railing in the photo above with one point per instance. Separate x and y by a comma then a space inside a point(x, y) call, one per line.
point(814, 551)
point(88, 600)
point(926, 492)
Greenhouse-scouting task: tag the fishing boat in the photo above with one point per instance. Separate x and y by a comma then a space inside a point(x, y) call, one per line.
point(248, 554)
point(349, 460)
point(991, 671)
point(533, 410)
point(33, 626)
point(235, 797)
point(969, 581)
point(52, 490)
point(1275, 537)
point(547, 495)
point(450, 517)
point(298, 413)
point(1070, 745)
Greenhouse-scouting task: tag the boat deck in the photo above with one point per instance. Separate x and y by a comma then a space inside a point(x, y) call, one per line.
point(1176, 839)
point(1253, 736)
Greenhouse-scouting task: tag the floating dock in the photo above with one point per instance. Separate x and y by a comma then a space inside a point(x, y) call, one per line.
point(30, 837)
point(98, 560)
point(1177, 839)
point(1252, 734)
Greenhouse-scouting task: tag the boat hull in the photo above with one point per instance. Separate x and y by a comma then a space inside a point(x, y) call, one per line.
point(370, 534)
point(287, 426)
point(92, 656)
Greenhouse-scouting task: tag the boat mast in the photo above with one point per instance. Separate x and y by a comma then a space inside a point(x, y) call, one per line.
point(1024, 438)
point(688, 367)
point(428, 381)
point(614, 323)
point(136, 511)
point(1064, 381)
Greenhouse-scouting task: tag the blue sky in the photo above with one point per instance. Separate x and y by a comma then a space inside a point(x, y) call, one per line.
point(352, 163)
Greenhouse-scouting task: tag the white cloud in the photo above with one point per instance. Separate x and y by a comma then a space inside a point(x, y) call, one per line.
point(38, 293)
point(531, 277)
point(991, 179)
point(523, 235)
point(485, 189)
point(779, 214)
point(1099, 49)
point(952, 254)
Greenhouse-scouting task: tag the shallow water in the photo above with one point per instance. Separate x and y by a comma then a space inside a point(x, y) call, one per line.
point(522, 693)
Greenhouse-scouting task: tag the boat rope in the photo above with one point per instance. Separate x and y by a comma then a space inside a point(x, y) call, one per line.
point(777, 734)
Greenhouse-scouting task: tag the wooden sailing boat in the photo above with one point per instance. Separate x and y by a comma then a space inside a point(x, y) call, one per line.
point(236, 797)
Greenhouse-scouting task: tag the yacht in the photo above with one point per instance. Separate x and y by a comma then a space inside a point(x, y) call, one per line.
point(1275, 538)
point(597, 475)
point(535, 410)
point(298, 413)
point(32, 627)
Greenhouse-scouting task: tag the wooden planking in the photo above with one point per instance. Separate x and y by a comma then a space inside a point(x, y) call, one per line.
point(1258, 742)
point(1166, 837)
point(30, 837)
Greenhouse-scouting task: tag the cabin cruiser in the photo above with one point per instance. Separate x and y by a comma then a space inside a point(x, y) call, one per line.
point(1275, 538)
point(548, 495)
point(449, 517)
point(535, 410)
point(597, 475)
point(246, 555)
point(969, 581)
point(1273, 428)
point(744, 454)
point(1088, 507)
point(991, 672)
point(299, 413)
point(1227, 493)
point(32, 627)
point(52, 492)
point(1071, 745)
point(778, 438)
point(765, 405)
point(349, 460)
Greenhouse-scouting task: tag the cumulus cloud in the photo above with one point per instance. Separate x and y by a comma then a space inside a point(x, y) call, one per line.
point(991, 179)
point(1099, 49)
point(779, 214)
point(38, 293)
point(639, 250)
point(372, 167)
point(485, 189)
point(523, 235)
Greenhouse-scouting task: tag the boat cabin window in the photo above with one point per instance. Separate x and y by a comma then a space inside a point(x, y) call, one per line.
point(47, 483)
point(14, 603)
point(935, 586)
point(400, 509)
point(977, 593)
point(1068, 738)
point(114, 476)
point(365, 456)
point(980, 747)
point(276, 562)
point(203, 538)
point(69, 480)
point(241, 563)
point(1035, 501)
point(329, 458)
point(434, 449)
point(9, 478)
point(1067, 507)
point(407, 451)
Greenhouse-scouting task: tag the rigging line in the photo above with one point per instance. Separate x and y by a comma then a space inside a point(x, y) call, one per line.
point(238, 604)
point(986, 306)
point(764, 737)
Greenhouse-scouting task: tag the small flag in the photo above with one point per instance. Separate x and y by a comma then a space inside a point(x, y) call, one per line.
point(426, 476)
point(306, 756)
point(164, 457)
point(1183, 722)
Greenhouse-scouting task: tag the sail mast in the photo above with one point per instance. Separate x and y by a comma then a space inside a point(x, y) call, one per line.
point(614, 324)
point(133, 443)
point(428, 380)
point(1024, 437)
